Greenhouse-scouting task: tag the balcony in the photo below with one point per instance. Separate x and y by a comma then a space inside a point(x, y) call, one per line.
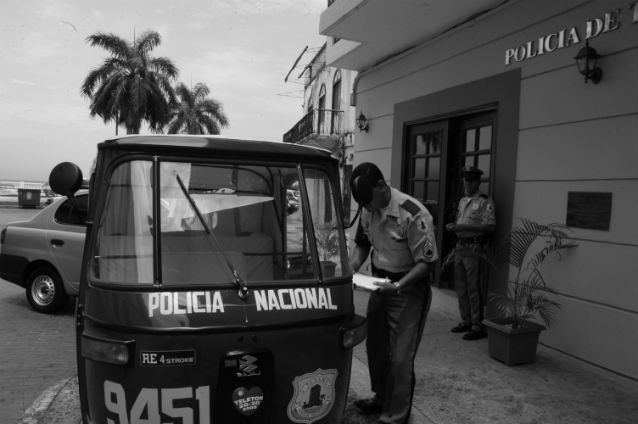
point(371, 31)
point(321, 127)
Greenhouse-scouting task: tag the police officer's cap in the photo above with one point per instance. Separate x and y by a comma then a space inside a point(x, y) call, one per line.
point(471, 171)
point(363, 179)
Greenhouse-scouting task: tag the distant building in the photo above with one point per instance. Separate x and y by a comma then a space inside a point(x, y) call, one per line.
point(10, 187)
point(328, 118)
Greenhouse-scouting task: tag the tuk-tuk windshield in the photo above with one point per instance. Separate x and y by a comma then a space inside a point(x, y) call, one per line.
point(254, 212)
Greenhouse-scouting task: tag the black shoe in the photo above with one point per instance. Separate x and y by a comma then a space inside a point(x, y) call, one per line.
point(369, 406)
point(475, 335)
point(463, 327)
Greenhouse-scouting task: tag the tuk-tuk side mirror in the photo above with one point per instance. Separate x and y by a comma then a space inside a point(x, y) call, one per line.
point(65, 179)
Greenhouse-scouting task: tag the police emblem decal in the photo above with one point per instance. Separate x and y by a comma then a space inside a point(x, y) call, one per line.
point(313, 397)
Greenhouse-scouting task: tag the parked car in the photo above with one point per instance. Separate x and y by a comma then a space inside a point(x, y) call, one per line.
point(44, 254)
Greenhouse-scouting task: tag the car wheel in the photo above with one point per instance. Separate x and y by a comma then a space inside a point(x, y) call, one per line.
point(45, 292)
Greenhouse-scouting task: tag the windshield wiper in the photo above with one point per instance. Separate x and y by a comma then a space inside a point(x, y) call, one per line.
point(243, 290)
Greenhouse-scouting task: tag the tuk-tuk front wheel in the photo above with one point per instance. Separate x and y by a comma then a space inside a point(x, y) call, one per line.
point(45, 291)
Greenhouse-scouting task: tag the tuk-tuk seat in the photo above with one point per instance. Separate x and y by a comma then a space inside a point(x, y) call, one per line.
point(256, 247)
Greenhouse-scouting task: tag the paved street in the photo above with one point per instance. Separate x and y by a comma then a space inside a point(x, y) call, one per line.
point(36, 350)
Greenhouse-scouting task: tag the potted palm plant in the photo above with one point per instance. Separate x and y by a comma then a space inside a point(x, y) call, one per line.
point(512, 335)
point(328, 247)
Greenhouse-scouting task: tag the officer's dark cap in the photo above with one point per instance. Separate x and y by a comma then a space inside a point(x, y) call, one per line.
point(364, 177)
point(471, 172)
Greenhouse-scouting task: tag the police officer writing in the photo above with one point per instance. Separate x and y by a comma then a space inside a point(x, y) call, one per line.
point(474, 222)
point(398, 230)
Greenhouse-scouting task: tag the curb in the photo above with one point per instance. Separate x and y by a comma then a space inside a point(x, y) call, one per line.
point(59, 404)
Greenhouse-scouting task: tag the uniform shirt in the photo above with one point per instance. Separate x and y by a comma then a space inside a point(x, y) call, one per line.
point(401, 234)
point(477, 209)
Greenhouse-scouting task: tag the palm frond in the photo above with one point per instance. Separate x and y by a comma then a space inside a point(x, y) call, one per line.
point(174, 126)
point(201, 91)
point(184, 94)
point(163, 66)
point(554, 245)
point(526, 296)
point(548, 311)
point(147, 41)
point(111, 68)
point(503, 304)
point(534, 281)
point(522, 238)
point(111, 43)
point(210, 124)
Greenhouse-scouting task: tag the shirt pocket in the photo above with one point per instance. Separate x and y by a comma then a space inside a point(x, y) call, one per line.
point(475, 217)
point(397, 243)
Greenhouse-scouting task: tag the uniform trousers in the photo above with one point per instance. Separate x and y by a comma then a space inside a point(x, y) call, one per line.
point(395, 327)
point(469, 281)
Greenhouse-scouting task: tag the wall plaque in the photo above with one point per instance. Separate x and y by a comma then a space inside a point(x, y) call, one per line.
point(588, 210)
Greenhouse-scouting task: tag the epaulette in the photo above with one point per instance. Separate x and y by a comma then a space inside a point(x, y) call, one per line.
point(483, 195)
point(411, 207)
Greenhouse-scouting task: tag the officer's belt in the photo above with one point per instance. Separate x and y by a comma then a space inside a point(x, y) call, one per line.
point(392, 276)
point(472, 240)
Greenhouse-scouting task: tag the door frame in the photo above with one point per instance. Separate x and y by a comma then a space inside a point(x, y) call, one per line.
point(500, 92)
point(452, 155)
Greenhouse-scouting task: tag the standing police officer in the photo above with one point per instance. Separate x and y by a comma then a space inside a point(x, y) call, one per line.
point(399, 232)
point(474, 222)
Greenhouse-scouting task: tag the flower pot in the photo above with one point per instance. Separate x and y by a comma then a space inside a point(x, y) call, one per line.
point(512, 346)
point(328, 269)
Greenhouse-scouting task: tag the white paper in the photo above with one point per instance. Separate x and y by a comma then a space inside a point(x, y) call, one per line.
point(366, 282)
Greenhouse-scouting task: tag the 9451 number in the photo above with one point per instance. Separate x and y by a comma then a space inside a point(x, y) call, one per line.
point(152, 403)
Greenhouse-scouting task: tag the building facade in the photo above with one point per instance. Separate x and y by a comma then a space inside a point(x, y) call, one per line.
point(495, 84)
point(328, 116)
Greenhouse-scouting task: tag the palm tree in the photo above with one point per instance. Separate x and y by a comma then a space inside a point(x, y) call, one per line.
point(131, 86)
point(195, 112)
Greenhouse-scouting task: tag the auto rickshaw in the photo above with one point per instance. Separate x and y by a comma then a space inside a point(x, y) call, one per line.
point(205, 296)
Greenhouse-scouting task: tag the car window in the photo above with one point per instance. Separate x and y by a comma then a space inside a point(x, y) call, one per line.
point(73, 211)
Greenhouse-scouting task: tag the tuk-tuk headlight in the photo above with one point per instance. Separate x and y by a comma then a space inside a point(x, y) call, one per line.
point(104, 350)
point(354, 333)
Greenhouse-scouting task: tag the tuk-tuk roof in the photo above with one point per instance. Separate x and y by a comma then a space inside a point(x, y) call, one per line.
point(214, 145)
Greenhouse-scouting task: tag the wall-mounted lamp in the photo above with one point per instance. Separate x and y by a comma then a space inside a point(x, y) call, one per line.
point(362, 123)
point(586, 60)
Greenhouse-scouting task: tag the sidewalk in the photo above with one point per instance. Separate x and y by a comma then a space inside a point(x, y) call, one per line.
point(457, 383)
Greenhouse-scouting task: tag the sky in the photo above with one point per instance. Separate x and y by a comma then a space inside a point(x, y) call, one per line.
point(241, 49)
